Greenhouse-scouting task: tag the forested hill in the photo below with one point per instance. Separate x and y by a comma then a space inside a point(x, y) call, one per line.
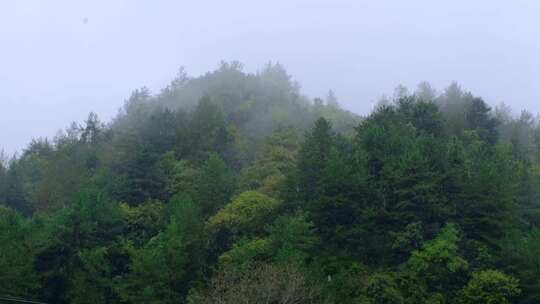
point(234, 187)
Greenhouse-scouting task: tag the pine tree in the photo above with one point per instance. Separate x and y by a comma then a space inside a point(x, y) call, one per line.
point(215, 185)
point(479, 119)
point(161, 270)
point(312, 159)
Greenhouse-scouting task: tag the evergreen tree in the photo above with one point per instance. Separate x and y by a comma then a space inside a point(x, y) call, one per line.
point(215, 185)
point(312, 159)
point(205, 193)
point(18, 248)
point(478, 118)
point(161, 271)
point(91, 222)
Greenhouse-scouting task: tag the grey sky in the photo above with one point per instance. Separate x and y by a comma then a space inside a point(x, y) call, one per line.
point(55, 67)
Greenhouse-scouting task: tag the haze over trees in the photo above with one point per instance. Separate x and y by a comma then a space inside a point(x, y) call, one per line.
point(234, 187)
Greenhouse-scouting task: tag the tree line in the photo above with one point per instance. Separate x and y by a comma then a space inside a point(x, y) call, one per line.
point(233, 187)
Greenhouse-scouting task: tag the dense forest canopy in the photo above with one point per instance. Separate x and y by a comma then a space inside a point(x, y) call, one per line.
point(233, 187)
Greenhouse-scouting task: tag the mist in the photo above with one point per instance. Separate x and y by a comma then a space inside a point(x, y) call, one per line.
point(308, 152)
point(59, 60)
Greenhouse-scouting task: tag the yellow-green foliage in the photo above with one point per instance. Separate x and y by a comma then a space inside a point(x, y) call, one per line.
point(274, 158)
point(246, 251)
point(249, 211)
point(490, 287)
point(439, 261)
point(143, 221)
point(439, 254)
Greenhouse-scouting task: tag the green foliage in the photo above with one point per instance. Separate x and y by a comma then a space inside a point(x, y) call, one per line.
point(488, 179)
point(214, 186)
point(143, 221)
point(409, 240)
point(22, 179)
point(160, 271)
point(290, 240)
point(91, 222)
point(478, 118)
point(179, 176)
point(247, 213)
point(275, 157)
point(355, 210)
point(95, 278)
point(489, 287)
point(519, 254)
point(208, 131)
point(380, 288)
point(247, 251)
point(528, 200)
point(294, 238)
point(312, 158)
point(18, 247)
point(439, 261)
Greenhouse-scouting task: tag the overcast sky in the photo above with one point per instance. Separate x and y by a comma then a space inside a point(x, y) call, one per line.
point(60, 60)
